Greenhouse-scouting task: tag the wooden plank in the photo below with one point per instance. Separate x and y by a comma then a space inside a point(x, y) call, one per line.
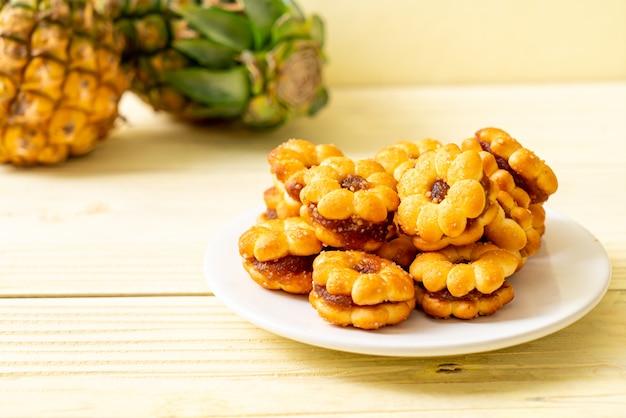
point(191, 356)
point(92, 269)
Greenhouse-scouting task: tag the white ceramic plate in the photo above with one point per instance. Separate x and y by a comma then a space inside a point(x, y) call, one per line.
point(558, 286)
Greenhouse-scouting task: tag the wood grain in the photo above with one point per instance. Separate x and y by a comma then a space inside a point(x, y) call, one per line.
point(190, 356)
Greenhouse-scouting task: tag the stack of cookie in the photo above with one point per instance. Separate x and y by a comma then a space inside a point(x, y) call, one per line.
point(424, 224)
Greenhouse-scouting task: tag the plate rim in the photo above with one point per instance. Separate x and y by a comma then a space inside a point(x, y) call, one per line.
point(226, 233)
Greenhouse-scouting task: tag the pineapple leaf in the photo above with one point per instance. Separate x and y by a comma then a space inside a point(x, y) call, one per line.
point(317, 30)
point(228, 89)
point(263, 14)
point(288, 27)
point(219, 25)
point(140, 7)
point(199, 112)
point(207, 53)
point(264, 112)
point(321, 99)
point(294, 8)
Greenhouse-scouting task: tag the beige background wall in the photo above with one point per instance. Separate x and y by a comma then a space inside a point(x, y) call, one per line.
point(475, 41)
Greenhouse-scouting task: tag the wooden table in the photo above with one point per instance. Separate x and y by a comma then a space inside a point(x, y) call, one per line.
point(105, 312)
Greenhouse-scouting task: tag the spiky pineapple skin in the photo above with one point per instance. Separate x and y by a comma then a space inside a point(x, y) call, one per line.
point(207, 60)
point(61, 80)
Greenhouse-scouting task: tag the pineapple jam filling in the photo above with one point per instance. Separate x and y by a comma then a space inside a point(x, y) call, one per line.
point(354, 231)
point(338, 301)
point(368, 266)
point(285, 268)
point(503, 164)
point(354, 183)
point(445, 295)
point(293, 189)
point(438, 191)
point(271, 214)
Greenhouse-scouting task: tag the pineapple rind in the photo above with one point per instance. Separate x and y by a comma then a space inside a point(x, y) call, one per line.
point(60, 80)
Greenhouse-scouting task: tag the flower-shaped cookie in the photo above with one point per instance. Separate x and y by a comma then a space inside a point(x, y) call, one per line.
point(279, 254)
point(398, 157)
point(529, 171)
point(298, 154)
point(350, 203)
point(445, 198)
point(361, 289)
point(399, 249)
point(442, 305)
point(278, 205)
point(512, 228)
point(459, 270)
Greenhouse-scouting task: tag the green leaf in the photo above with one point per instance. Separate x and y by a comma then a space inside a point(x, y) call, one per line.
point(262, 15)
point(289, 27)
point(317, 30)
point(203, 113)
point(141, 7)
point(294, 8)
point(321, 99)
point(222, 26)
point(229, 89)
point(207, 53)
point(264, 112)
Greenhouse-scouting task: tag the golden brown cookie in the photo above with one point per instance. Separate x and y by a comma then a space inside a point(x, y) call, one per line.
point(474, 232)
point(350, 203)
point(399, 249)
point(298, 154)
point(501, 177)
point(361, 289)
point(513, 227)
point(445, 198)
point(529, 172)
point(279, 254)
point(539, 217)
point(443, 305)
point(288, 162)
point(398, 157)
point(278, 205)
point(459, 270)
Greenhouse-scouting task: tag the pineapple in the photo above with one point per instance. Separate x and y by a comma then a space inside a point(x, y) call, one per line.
point(64, 65)
point(60, 79)
point(256, 62)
